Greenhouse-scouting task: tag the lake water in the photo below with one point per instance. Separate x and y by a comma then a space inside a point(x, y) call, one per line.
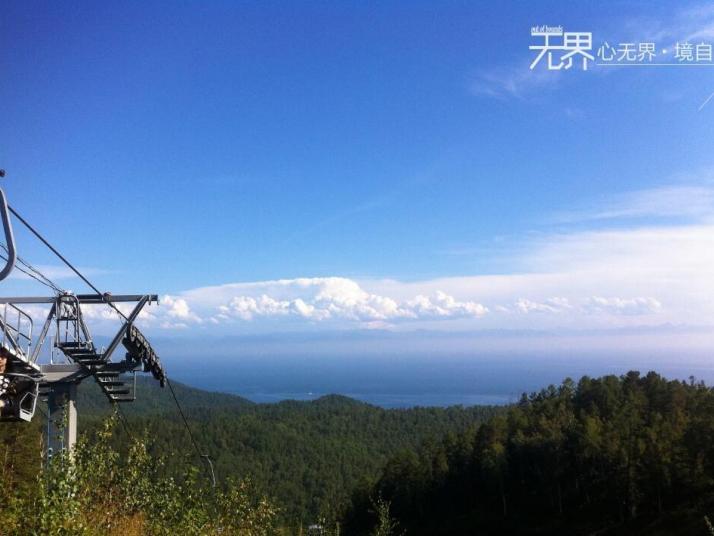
point(416, 381)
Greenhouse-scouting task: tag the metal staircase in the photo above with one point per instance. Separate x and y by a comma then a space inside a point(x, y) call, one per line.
point(111, 377)
point(108, 375)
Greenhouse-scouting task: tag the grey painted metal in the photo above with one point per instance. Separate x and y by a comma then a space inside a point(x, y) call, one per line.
point(68, 311)
point(27, 299)
point(83, 298)
point(9, 337)
point(72, 373)
point(82, 325)
point(107, 298)
point(75, 373)
point(15, 334)
point(9, 237)
point(62, 425)
point(120, 334)
point(43, 334)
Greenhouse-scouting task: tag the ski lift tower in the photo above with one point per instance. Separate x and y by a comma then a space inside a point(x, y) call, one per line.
point(27, 379)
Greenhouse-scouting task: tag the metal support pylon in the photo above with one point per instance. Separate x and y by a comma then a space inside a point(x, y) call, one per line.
point(62, 425)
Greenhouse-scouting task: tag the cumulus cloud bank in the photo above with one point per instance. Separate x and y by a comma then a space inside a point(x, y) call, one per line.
point(342, 302)
point(327, 299)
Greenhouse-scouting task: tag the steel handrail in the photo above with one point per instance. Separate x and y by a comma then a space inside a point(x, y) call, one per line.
point(27, 336)
point(8, 330)
point(9, 236)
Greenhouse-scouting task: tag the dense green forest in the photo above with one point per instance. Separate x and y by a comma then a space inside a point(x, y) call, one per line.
point(627, 455)
point(306, 456)
point(614, 455)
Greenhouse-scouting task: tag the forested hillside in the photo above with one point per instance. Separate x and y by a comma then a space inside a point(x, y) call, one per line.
point(613, 455)
point(628, 455)
point(307, 456)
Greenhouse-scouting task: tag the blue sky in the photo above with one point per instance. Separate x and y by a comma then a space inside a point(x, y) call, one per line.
point(306, 167)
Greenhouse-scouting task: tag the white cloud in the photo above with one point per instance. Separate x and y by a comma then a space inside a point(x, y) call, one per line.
point(615, 278)
point(551, 305)
point(626, 306)
point(178, 311)
point(328, 298)
point(173, 325)
point(593, 305)
point(443, 306)
point(247, 307)
point(692, 202)
point(103, 312)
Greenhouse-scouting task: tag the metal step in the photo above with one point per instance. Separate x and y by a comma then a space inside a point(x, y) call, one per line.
point(121, 398)
point(84, 357)
point(110, 383)
point(106, 374)
point(75, 353)
point(80, 357)
point(113, 392)
point(74, 344)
